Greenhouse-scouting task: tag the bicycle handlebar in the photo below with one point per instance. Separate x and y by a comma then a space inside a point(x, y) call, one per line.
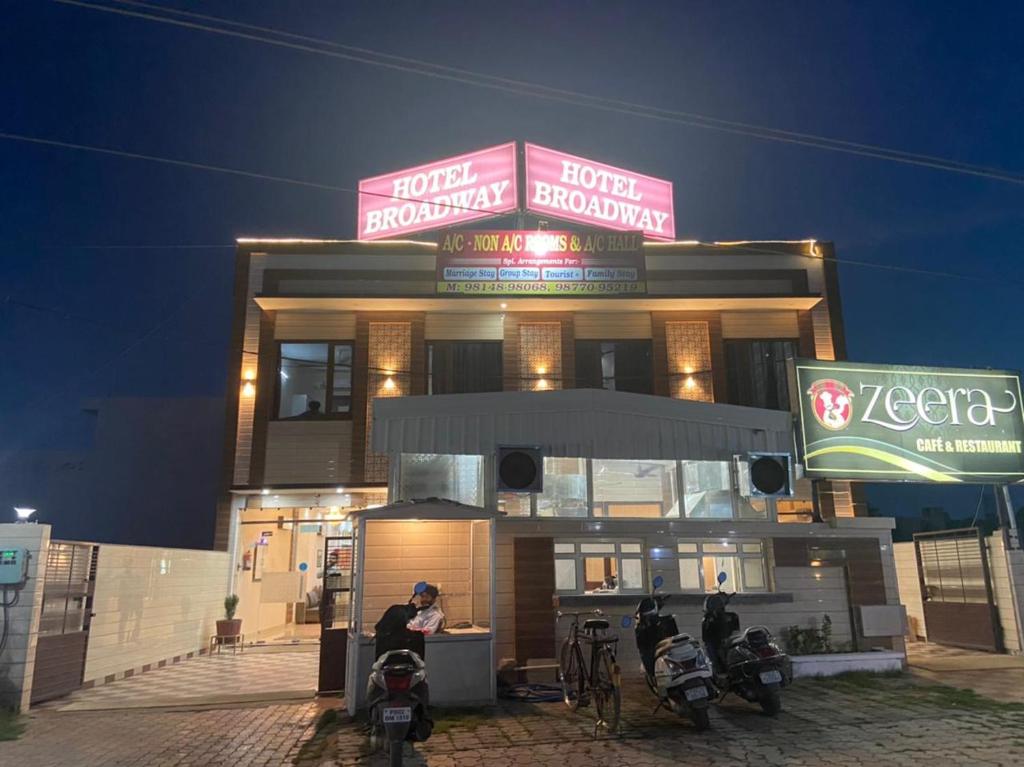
point(559, 615)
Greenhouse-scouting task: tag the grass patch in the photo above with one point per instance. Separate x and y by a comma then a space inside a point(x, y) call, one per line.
point(469, 719)
point(903, 689)
point(11, 725)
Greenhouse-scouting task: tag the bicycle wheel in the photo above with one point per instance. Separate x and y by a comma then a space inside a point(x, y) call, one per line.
point(607, 693)
point(570, 674)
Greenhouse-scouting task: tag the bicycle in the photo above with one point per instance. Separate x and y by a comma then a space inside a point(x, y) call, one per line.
point(600, 678)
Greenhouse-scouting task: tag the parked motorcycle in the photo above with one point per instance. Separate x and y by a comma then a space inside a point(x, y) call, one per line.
point(397, 694)
point(675, 666)
point(748, 663)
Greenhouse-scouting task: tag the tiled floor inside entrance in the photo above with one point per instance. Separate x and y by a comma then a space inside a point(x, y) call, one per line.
point(209, 679)
point(994, 675)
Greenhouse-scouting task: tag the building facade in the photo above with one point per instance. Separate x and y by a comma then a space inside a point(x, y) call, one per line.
point(326, 330)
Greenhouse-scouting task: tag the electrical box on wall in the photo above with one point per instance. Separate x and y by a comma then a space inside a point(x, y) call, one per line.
point(13, 566)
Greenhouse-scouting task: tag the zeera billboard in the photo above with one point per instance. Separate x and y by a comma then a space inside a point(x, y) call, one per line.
point(439, 194)
point(899, 422)
point(487, 262)
point(588, 192)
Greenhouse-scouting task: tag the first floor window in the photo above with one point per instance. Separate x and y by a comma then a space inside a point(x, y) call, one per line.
point(635, 489)
point(599, 567)
point(757, 372)
point(454, 477)
point(463, 367)
point(743, 563)
point(615, 366)
point(707, 489)
point(314, 380)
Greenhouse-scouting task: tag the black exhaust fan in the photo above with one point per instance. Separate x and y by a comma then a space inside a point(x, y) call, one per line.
point(520, 469)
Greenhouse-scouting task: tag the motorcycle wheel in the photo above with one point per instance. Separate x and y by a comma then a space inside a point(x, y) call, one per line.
point(771, 701)
point(395, 754)
point(571, 676)
point(701, 718)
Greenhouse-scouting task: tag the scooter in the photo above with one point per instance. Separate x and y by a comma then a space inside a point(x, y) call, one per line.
point(675, 666)
point(397, 694)
point(748, 663)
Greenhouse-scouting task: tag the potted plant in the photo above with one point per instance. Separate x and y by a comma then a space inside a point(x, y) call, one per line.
point(230, 626)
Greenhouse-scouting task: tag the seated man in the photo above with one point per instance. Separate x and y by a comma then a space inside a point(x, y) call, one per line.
point(429, 619)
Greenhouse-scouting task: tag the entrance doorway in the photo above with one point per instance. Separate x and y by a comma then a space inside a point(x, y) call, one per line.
point(956, 589)
point(283, 557)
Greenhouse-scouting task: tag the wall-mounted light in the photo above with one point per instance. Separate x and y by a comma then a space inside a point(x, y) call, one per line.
point(504, 306)
point(249, 382)
point(23, 513)
point(339, 490)
point(541, 370)
point(690, 383)
point(542, 385)
point(265, 491)
point(389, 384)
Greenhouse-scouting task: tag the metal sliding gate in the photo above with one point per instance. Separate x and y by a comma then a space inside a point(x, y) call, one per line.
point(64, 623)
point(956, 588)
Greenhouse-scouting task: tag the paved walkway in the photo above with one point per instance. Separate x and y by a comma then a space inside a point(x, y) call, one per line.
point(224, 678)
point(890, 722)
point(996, 676)
point(887, 722)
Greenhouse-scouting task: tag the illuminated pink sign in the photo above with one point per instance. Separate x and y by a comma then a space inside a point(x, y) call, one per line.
point(439, 194)
point(593, 193)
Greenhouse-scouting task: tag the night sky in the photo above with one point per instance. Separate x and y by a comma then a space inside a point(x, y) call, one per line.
point(118, 319)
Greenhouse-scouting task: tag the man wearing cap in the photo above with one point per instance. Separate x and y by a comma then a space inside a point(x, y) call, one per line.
point(429, 619)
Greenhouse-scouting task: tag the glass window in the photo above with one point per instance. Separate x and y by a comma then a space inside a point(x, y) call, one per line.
point(751, 508)
point(314, 379)
point(565, 574)
point(707, 489)
point(565, 488)
point(700, 562)
point(799, 508)
point(632, 573)
point(757, 372)
point(341, 380)
point(455, 477)
point(303, 384)
point(462, 367)
point(514, 504)
point(604, 566)
point(645, 489)
point(600, 575)
point(615, 365)
point(689, 574)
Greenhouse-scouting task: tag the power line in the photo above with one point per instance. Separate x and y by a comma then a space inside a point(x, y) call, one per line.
point(752, 249)
point(420, 67)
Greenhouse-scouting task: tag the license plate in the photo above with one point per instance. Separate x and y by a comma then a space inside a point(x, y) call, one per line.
point(696, 693)
point(397, 715)
point(771, 677)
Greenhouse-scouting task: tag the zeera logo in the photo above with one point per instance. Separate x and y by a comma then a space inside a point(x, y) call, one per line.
point(832, 403)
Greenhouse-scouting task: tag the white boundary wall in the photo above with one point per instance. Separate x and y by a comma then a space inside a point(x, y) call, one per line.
point(152, 606)
point(910, 588)
point(17, 661)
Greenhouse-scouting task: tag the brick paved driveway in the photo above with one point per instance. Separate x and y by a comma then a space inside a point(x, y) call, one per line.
point(885, 722)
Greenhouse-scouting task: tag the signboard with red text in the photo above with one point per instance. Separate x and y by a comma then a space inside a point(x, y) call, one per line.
point(439, 194)
point(592, 193)
point(479, 262)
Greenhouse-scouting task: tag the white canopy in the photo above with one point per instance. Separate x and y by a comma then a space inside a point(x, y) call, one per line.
point(584, 423)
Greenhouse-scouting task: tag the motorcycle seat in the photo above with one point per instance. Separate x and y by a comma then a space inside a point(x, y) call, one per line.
point(595, 624)
point(667, 644)
point(735, 638)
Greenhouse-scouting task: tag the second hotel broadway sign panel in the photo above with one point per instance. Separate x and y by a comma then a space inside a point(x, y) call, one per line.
point(540, 263)
point(901, 422)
